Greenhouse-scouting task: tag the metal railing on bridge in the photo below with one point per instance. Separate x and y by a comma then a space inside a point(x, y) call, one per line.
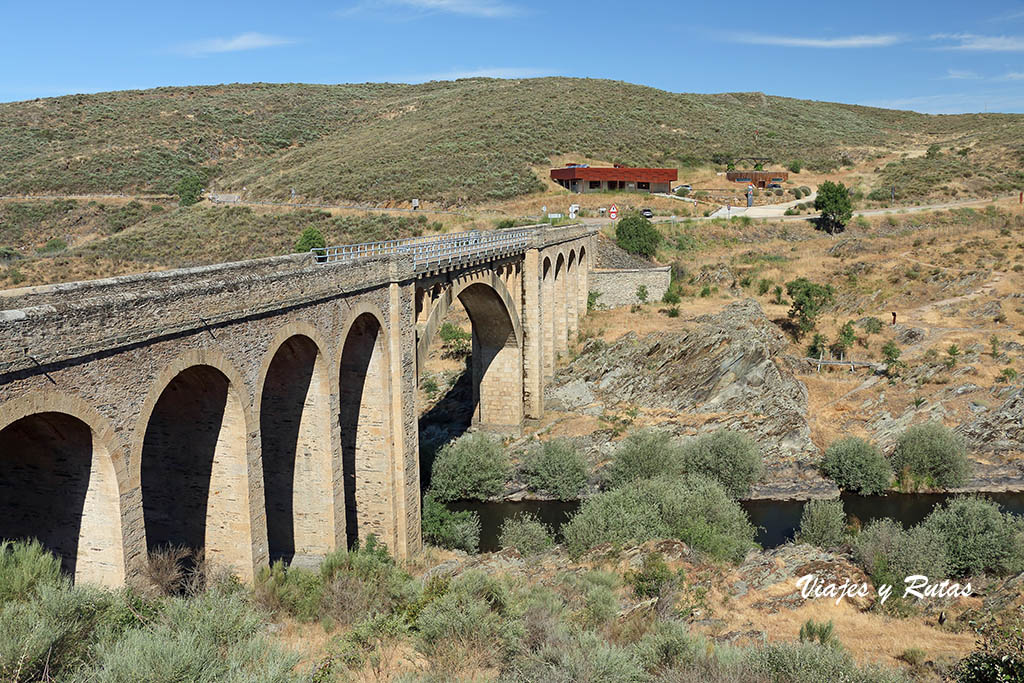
point(434, 251)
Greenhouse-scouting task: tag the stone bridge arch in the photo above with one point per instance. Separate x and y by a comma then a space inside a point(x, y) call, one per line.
point(365, 422)
point(301, 475)
point(198, 474)
point(64, 481)
point(497, 357)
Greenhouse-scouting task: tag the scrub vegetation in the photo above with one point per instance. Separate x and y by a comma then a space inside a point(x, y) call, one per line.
point(454, 142)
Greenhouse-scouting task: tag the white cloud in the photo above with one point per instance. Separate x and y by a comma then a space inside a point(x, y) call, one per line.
point(485, 9)
point(243, 41)
point(1012, 76)
point(975, 43)
point(487, 72)
point(831, 43)
point(961, 75)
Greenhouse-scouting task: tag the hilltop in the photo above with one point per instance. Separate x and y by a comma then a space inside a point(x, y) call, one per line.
point(466, 142)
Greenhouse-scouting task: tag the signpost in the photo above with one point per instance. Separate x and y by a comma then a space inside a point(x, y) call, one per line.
point(613, 212)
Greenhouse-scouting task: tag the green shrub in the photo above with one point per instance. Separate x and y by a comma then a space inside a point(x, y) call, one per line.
point(641, 294)
point(557, 468)
point(978, 538)
point(473, 467)
point(53, 246)
point(579, 656)
point(872, 325)
point(933, 455)
point(670, 297)
point(24, 566)
point(526, 533)
point(644, 454)
point(822, 633)
point(592, 298)
point(190, 189)
point(856, 465)
point(447, 529)
point(214, 636)
point(810, 663)
point(889, 553)
point(653, 575)
point(291, 590)
point(822, 523)
point(311, 238)
point(455, 342)
point(693, 509)
point(637, 235)
point(731, 458)
point(670, 646)
point(795, 166)
point(473, 620)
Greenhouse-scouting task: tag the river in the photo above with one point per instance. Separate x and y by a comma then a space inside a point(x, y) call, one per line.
point(777, 520)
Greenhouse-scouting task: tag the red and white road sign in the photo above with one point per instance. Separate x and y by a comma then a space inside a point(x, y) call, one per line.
point(613, 212)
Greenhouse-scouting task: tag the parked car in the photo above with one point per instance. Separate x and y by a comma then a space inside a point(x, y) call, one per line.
point(773, 186)
point(688, 187)
point(646, 213)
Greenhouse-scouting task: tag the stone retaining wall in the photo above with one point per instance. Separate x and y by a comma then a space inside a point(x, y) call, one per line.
point(618, 287)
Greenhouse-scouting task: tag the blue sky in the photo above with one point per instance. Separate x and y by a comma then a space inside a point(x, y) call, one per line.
point(940, 57)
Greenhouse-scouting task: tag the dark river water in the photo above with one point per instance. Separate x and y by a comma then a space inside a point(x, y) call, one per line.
point(777, 520)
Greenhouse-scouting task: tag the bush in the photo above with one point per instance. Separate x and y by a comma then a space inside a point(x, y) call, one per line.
point(53, 246)
point(447, 529)
point(795, 166)
point(822, 523)
point(637, 235)
point(455, 341)
point(810, 663)
point(693, 509)
point(470, 624)
point(890, 553)
point(644, 454)
point(978, 538)
point(24, 566)
point(311, 238)
point(670, 297)
point(808, 300)
point(855, 465)
point(822, 633)
point(526, 533)
point(653, 575)
point(214, 636)
point(190, 189)
point(933, 455)
point(731, 458)
point(872, 325)
point(473, 467)
point(557, 468)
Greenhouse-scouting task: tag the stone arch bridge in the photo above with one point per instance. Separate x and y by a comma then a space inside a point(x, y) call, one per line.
point(264, 408)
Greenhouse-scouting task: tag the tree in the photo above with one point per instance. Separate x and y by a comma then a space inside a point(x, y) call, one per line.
point(891, 355)
point(311, 238)
point(847, 336)
point(637, 235)
point(808, 298)
point(189, 189)
point(833, 201)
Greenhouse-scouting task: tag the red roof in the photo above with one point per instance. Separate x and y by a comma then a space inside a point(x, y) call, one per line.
point(626, 174)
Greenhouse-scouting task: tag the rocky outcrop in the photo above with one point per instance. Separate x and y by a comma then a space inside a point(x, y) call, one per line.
point(998, 431)
point(723, 372)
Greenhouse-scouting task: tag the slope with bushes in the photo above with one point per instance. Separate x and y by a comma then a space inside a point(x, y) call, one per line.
point(466, 141)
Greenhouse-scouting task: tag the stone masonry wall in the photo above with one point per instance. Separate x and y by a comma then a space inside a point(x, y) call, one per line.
point(618, 287)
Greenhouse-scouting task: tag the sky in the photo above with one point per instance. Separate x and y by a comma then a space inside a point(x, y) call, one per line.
point(934, 57)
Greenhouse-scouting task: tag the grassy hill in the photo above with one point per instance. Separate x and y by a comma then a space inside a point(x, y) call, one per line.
point(455, 143)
